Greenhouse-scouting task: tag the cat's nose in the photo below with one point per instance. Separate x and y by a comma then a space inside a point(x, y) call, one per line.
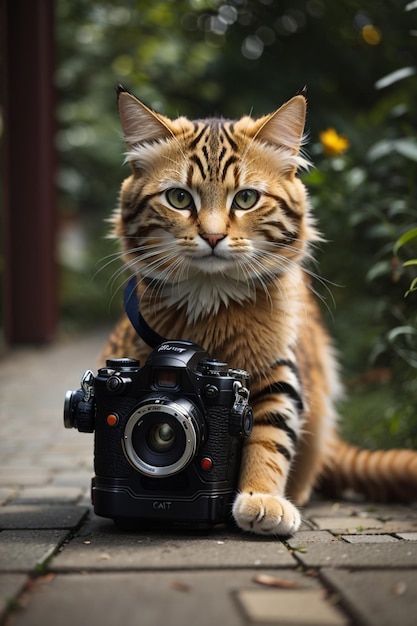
point(213, 239)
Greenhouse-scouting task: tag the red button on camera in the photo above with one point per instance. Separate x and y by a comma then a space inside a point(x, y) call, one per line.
point(206, 463)
point(112, 419)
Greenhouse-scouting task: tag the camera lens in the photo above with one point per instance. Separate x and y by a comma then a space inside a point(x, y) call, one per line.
point(163, 435)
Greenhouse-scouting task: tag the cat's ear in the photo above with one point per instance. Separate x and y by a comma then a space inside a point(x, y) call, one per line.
point(285, 127)
point(140, 123)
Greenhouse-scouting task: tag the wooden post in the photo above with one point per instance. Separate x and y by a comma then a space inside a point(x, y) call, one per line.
point(29, 160)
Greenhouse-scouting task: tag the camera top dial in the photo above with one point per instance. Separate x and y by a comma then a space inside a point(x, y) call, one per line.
point(213, 367)
point(122, 365)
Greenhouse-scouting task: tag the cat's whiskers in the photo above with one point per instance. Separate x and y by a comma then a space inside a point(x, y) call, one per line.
point(308, 257)
point(114, 257)
point(274, 263)
point(130, 264)
point(158, 294)
point(248, 275)
point(120, 254)
point(260, 276)
point(173, 267)
point(281, 266)
point(116, 275)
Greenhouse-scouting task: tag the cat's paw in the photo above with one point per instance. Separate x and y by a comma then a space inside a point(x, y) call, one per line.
point(266, 514)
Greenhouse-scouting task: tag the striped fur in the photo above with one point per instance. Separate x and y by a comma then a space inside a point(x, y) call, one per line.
point(217, 227)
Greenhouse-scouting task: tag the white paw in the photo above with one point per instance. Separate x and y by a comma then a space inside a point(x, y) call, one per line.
point(266, 514)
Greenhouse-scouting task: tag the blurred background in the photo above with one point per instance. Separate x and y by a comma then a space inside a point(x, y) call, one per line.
point(233, 57)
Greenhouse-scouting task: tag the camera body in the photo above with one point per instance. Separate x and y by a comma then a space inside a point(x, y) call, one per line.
point(168, 436)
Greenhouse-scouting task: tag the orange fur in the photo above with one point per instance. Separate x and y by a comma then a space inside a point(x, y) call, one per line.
point(232, 277)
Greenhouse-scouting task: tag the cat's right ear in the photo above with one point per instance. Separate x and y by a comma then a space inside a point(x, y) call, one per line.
point(140, 124)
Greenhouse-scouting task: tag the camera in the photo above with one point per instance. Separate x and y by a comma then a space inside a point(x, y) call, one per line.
point(168, 436)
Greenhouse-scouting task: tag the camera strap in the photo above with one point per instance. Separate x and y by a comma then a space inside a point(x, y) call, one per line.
point(132, 308)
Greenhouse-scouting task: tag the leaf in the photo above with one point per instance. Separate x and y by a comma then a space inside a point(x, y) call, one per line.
point(409, 263)
point(273, 581)
point(400, 330)
point(179, 585)
point(394, 77)
point(406, 147)
point(400, 587)
point(380, 149)
point(315, 177)
point(300, 549)
point(405, 238)
point(413, 288)
point(379, 269)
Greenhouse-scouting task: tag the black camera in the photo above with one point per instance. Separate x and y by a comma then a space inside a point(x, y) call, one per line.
point(168, 436)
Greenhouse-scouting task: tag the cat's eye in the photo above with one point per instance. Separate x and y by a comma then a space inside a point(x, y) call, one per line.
point(245, 199)
point(179, 198)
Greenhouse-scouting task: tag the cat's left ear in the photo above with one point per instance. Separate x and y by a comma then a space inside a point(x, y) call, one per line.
point(285, 127)
point(140, 124)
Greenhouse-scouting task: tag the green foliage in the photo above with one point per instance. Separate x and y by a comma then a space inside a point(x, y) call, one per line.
point(369, 195)
point(409, 235)
point(231, 57)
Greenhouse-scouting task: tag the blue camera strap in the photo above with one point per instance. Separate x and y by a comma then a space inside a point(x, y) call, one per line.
point(132, 308)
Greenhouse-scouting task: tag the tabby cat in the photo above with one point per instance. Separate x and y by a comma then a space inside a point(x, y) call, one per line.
point(217, 227)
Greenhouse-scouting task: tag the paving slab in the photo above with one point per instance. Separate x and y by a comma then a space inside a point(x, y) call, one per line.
point(369, 538)
point(6, 493)
point(48, 494)
point(407, 536)
point(74, 477)
point(302, 538)
point(25, 550)
point(113, 550)
point(301, 608)
point(342, 508)
point(41, 516)
point(18, 476)
point(151, 598)
point(377, 598)
point(343, 555)
point(351, 524)
point(10, 587)
point(400, 526)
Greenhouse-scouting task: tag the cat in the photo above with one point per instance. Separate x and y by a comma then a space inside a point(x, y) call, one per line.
point(216, 224)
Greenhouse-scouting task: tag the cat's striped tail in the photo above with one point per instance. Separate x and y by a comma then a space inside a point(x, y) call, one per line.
point(381, 475)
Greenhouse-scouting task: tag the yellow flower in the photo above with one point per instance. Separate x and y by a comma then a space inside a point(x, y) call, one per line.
point(333, 144)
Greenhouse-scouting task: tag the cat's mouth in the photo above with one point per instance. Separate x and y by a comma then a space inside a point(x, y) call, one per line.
point(213, 263)
point(211, 258)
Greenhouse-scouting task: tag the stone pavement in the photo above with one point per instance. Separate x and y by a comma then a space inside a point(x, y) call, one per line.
point(60, 565)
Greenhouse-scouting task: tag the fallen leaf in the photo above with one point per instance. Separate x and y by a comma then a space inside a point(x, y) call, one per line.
point(300, 549)
point(272, 581)
point(47, 578)
point(399, 588)
point(180, 586)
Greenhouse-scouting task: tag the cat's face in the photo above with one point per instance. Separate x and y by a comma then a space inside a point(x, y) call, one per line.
point(213, 201)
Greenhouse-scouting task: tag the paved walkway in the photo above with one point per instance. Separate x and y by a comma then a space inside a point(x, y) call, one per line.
point(60, 565)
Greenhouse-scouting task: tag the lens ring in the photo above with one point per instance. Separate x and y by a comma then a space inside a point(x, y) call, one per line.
point(183, 422)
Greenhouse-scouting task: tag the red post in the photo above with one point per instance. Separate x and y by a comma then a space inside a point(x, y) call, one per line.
point(29, 159)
